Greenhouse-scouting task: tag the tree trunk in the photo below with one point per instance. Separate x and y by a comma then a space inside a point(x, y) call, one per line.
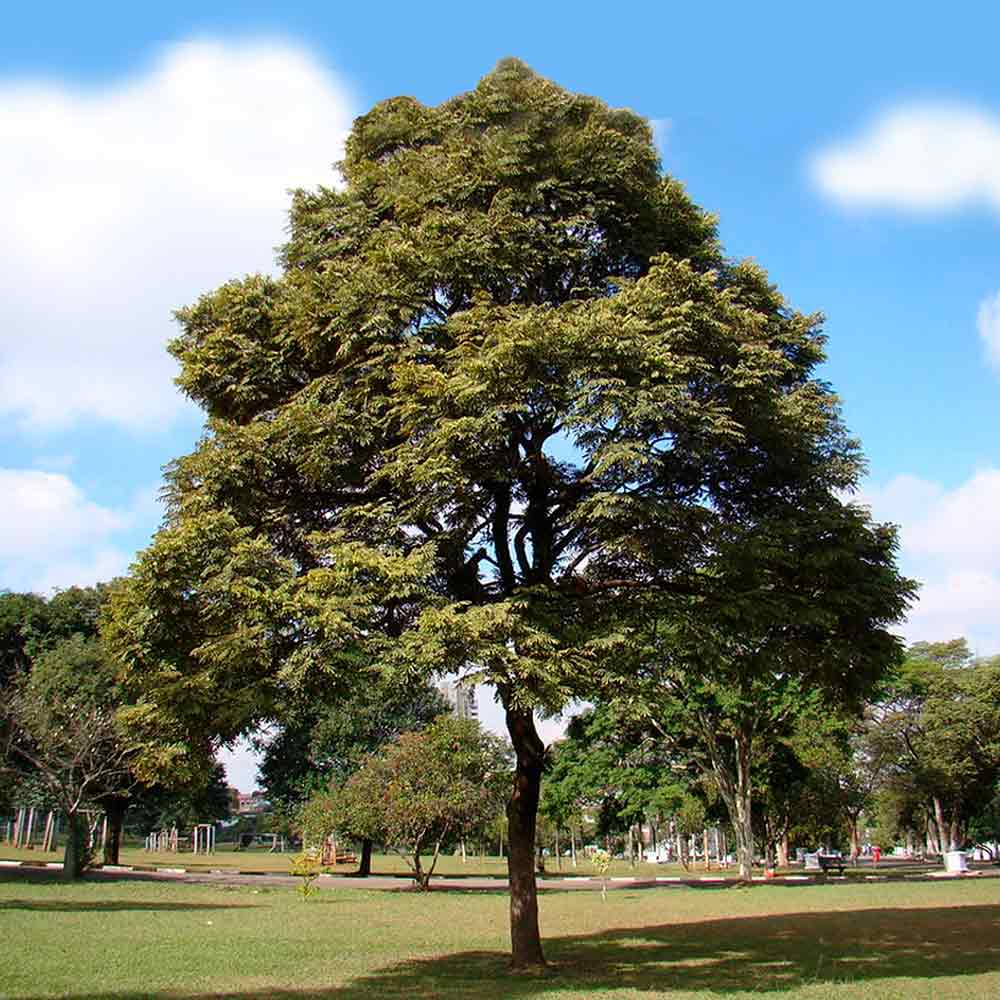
point(783, 851)
point(114, 809)
point(942, 828)
point(365, 864)
point(631, 846)
point(742, 821)
point(930, 841)
point(522, 814)
point(855, 839)
point(418, 872)
point(75, 857)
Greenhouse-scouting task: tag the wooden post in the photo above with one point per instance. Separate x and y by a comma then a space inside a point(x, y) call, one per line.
point(47, 841)
point(704, 837)
point(31, 827)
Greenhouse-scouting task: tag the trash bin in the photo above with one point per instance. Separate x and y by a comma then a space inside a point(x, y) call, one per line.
point(956, 861)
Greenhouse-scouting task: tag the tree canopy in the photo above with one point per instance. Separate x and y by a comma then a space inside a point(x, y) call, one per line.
point(505, 398)
point(419, 792)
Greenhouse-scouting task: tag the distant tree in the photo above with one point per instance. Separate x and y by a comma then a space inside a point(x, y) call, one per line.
point(796, 615)
point(420, 792)
point(61, 721)
point(318, 744)
point(51, 654)
point(984, 826)
point(617, 772)
point(161, 807)
point(940, 730)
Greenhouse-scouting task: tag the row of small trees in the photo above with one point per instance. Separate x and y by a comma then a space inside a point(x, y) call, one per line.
point(917, 765)
point(65, 742)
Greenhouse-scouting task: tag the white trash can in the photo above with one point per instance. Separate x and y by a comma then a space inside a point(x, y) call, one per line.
point(956, 861)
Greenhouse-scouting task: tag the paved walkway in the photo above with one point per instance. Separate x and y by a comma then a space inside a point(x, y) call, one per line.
point(10, 870)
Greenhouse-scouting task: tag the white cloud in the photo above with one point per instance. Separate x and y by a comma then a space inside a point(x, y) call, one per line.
point(916, 157)
point(950, 540)
point(121, 204)
point(988, 324)
point(52, 535)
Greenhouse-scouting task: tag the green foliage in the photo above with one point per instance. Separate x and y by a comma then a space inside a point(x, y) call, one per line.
point(316, 744)
point(308, 866)
point(506, 405)
point(31, 625)
point(608, 767)
point(939, 729)
point(160, 807)
point(419, 792)
point(601, 860)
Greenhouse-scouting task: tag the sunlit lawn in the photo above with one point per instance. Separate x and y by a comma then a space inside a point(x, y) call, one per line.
point(131, 939)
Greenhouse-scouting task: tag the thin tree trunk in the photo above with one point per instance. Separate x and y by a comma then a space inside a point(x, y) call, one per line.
point(522, 814)
point(855, 839)
point(942, 827)
point(572, 845)
point(742, 821)
point(783, 851)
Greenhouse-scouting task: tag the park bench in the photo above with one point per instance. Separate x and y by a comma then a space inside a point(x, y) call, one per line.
point(339, 858)
point(829, 862)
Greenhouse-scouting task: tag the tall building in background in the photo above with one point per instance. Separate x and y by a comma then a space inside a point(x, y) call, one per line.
point(461, 697)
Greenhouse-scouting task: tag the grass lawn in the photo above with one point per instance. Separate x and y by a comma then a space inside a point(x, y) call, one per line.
point(132, 939)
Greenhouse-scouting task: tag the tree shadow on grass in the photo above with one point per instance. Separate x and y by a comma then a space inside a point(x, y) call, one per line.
point(763, 954)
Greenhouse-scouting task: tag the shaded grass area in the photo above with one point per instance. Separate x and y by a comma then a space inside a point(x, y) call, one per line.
point(131, 940)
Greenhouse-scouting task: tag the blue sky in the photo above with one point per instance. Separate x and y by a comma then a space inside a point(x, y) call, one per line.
point(855, 153)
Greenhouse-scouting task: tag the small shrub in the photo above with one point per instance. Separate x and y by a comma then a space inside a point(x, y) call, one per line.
point(306, 866)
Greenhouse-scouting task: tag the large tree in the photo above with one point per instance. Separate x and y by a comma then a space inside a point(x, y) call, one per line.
point(505, 393)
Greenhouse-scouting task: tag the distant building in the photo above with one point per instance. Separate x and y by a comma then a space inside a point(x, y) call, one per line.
point(234, 799)
point(462, 699)
point(253, 803)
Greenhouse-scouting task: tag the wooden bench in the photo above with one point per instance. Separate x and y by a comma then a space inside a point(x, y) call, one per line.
point(828, 862)
point(340, 858)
